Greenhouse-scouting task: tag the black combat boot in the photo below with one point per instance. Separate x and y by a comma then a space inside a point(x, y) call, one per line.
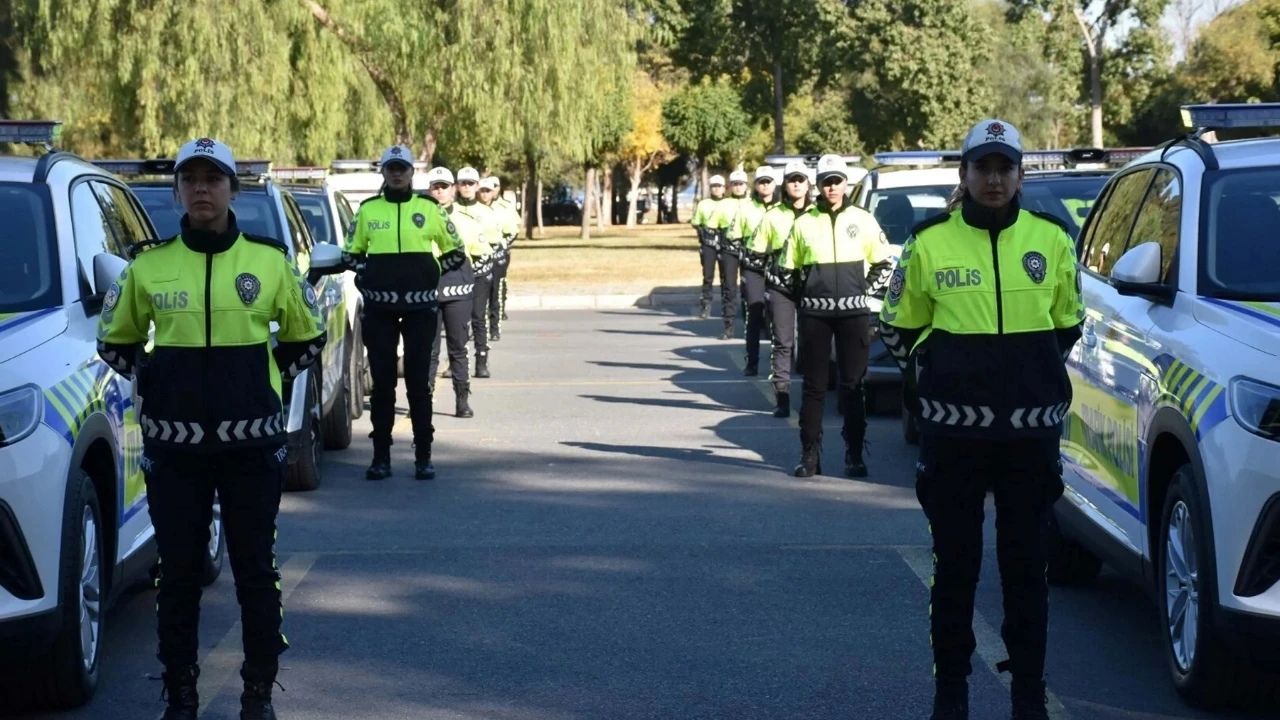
point(752, 369)
point(728, 330)
point(1028, 699)
point(423, 469)
point(854, 465)
point(495, 334)
point(255, 700)
point(180, 692)
point(705, 312)
point(463, 408)
point(810, 460)
point(482, 365)
point(380, 468)
point(783, 402)
point(950, 699)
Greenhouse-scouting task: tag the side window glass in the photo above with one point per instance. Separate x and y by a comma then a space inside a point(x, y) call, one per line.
point(93, 231)
point(1160, 218)
point(346, 218)
point(299, 234)
point(122, 214)
point(1109, 232)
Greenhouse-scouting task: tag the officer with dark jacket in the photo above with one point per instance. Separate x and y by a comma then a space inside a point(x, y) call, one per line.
point(210, 410)
point(986, 300)
point(401, 244)
point(772, 235)
point(837, 257)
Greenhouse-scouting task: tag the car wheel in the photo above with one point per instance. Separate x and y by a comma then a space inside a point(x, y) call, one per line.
point(356, 371)
point(1206, 673)
point(1069, 562)
point(337, 424)
point(304, 472)
point(63, 674)
point(217, 547)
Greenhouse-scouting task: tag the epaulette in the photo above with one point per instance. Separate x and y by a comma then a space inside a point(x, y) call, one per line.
point(1051, 218)
point(148, 244)
point(263, 239)
point(368, 199)
point(930, 222)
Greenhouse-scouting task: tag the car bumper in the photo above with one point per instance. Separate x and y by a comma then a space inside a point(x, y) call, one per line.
point(33, 476)
point(1244, 499)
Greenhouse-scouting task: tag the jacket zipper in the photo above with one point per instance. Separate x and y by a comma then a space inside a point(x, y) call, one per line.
point(208, 327)
point(399, 248)
point(835, 257)
point(995, 262)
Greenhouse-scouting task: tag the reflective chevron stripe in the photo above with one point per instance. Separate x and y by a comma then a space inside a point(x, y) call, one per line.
point(457, 291)
point(231, 430)
point(304, 361)
point(856, 302)
point(956, 415)
point(191, 433)
point(1038, 417)
point(187, 433)
point(382, 296)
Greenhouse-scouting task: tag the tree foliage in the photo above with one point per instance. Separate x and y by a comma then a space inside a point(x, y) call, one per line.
point(707, 120)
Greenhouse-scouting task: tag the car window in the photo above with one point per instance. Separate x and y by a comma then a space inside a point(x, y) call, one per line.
point(315, 211)
point(299, 233)
point(345, 216)
point(128, 228)
point(1066, 198)
point(93, 231)
point(1108, 232)
point(254, 212)
point(900, 209)
point(28, 251)
point(1238, 247)
point(1159, 219)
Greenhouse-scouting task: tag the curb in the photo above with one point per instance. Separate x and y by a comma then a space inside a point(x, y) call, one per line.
point(599, 302)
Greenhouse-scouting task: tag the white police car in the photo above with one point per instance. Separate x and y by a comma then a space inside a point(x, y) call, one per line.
point(74, 526)
point(1172, 447)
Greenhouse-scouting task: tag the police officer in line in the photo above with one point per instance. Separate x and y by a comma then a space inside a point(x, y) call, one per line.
point(706, 221)
point(772, 235)
point(457, 286)
point(730, 249)
point(211, 412)
point(754, 260)
point(478, 225)
point(986, 301)
point(836, 257)
point(400, 246)
point(508, 228)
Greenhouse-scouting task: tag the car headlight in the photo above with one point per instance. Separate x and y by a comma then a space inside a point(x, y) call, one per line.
point(1256, 406)
point(20, 413)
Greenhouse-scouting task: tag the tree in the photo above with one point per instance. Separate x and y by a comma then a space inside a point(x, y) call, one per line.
point(1233, 59)
point(706, 120)
point(644, 147)
point(912, 83)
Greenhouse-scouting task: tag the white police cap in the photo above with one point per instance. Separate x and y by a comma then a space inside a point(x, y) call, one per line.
point(489, 183)
point(207, 149)
point(796, 167)
point(992, 136)
point(397, 154)
point(468, 173)
point(737, 176)
point(831, 166)
point(764, 172)
point(716, 180)
point(439, 175)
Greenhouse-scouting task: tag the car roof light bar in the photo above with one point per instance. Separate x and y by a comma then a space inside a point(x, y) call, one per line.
point(367, 165)
point(809, 160)
point(31, 132)
point(1231, 115)
point(164, 166)
point(917, 157)
point(300, 173)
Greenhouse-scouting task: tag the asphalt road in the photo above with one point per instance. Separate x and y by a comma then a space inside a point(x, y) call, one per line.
point(615, 535)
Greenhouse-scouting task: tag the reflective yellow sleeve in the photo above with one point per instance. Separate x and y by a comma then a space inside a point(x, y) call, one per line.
point(358, 242)
point(296, 306)
point(1068, 298)
point(908, 304)
point(126, 312)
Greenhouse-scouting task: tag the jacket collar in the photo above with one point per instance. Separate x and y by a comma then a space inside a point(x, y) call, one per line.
point(984, 218)
point(205, 241)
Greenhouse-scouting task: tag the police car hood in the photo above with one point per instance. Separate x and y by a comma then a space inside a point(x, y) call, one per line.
point(21, 332)
point(1256, 324)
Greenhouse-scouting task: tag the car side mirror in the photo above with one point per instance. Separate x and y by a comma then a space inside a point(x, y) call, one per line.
point(326, 259)
point(1137, 274)
point(106, 269)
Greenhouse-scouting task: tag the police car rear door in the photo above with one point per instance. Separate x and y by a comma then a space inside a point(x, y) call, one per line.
point(1102, 437)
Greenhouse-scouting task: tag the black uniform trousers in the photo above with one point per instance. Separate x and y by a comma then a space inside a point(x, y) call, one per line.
point(782, 313)
point(498, 294)
point(729, 264)
point(852, 341)
point(180, 488)
point(753, 290)
point(382, 330)
point(952, 478)
point(480, 313)
point(455, 316)
point(710, 259)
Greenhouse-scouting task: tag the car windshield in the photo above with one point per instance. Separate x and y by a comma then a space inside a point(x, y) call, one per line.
point(315, 208)
point(255, 211)
point(900, 209)
point(1065, 197)
point(28, 252)
point(1238, 249)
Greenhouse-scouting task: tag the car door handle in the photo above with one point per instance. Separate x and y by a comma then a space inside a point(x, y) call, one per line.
point(1088, 338)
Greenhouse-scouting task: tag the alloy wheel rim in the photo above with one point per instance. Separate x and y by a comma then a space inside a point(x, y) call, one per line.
point(1182, 586)
point(90, 590)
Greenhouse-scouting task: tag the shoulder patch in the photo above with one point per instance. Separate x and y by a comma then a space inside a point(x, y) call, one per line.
point(264, 240)
point(1051, 218)
point(930, 222)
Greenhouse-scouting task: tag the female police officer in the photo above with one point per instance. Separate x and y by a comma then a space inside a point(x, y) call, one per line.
point(400, 245)
point(837, 257)
point(986, 300)
point(772, 235)
point(210, 411)
point(751, 252)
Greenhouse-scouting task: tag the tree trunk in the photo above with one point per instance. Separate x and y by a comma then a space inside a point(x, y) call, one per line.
point(532, 215)
point(428, 147)
point(1094, 44)
point(705, 181)
point(633, 197)
point(588, 198)
point(779, 130)
point(538, 207)
point(605, 218)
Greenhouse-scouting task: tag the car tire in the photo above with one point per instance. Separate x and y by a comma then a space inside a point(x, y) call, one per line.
point(356, 372)
point(63, 674)
point(1205, 672)
point(1070, 564)
point(304, 473)
point(217, 547)
point(910, 427)
point(337, 424)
